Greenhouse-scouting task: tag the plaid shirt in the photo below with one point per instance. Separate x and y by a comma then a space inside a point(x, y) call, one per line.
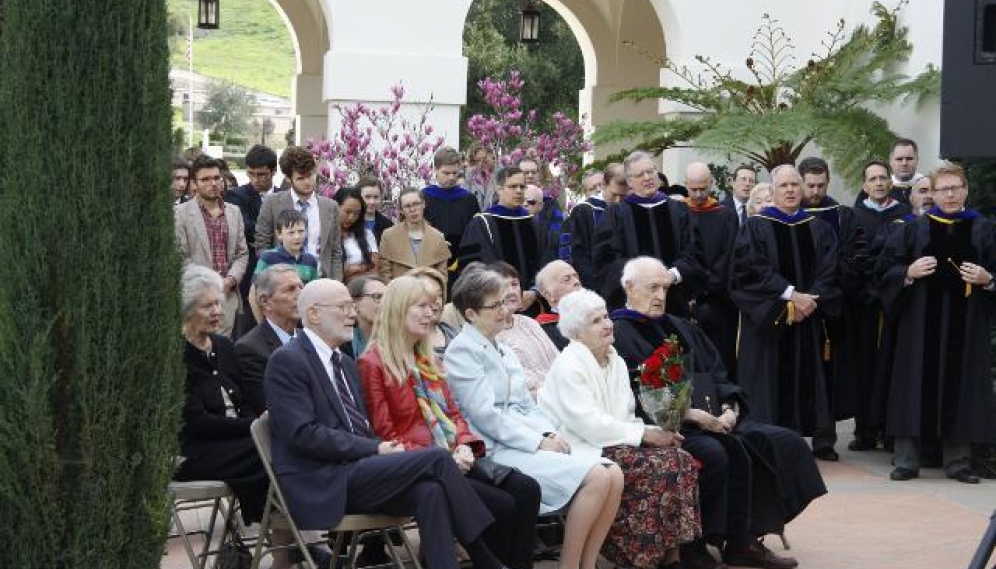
point(217, 230)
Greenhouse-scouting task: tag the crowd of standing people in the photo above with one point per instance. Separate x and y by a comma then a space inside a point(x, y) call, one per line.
point(473, 358)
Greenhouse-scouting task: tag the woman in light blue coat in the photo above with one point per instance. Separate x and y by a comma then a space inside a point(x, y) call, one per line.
point(489, 385)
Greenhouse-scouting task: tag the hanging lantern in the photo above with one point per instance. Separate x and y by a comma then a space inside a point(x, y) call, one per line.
point(529, 23)
point(207, 14)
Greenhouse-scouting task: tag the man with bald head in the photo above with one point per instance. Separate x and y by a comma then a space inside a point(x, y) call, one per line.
point(717, 223)
point(327, 457)
point(555, 280)
point(648, 222)
point(784, 281)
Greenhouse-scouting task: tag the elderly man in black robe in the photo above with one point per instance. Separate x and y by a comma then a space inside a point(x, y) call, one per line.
point(784, 280)
point(937, 276)
point(755, 477)
point(554, 281)
point(647, 222)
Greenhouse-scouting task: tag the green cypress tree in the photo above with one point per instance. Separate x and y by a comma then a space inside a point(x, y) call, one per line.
point(90, 360)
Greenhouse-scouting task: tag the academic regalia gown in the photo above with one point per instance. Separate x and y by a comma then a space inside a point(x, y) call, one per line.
point(579, 230)
point(782, 364)
point(549, 227)
point(714, 311)
point(941, 384)
point(503, 234)
point(783, 475)
point(657, 227)
point(450, 211)
point(849, 357)
point(865, 309)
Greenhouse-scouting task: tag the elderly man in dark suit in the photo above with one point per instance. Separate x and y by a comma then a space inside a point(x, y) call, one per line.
point(327, 458)
point(322, 238)
point(277, 289)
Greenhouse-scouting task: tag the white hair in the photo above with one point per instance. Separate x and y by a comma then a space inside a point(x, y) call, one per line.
point(633, 157)
point(196, 280)
point(635, 265)
point(544, 274)
point(575, 310)
point(779, 169)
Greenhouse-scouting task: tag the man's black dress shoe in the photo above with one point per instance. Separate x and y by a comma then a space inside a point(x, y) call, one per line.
point(757, 555)
point(321, 556)
point(966, 475)
point(827, 454)
point(900, 474)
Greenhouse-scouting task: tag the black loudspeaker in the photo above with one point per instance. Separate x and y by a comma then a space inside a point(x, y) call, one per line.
point(968, 80)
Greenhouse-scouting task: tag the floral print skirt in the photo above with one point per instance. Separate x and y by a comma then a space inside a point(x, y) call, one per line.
point(659, 509)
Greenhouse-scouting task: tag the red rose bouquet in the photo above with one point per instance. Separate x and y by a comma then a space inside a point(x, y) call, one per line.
point(665, 390)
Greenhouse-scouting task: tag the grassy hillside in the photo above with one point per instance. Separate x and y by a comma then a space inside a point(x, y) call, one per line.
point(253, 47)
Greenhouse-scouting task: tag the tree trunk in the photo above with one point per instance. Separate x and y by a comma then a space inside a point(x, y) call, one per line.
point(89, 308)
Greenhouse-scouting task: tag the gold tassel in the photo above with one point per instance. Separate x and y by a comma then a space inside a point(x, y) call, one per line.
point(790, 319)
point(826, 343)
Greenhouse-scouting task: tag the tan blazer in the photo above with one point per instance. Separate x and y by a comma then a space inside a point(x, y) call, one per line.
point(195, 249)
point(192, 238)
point(397, 258)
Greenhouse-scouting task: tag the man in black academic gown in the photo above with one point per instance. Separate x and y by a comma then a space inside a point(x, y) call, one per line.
point(506, 232)
point(580, 227)
point(648, 223)
point(784, 280)
point(554, 281)
point(717, 223)
point(847, 368)
point(938, 279)
point(755, 478)
point(448, 207)
point(874, 216)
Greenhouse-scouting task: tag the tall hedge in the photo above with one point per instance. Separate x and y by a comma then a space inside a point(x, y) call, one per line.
point(90, 359)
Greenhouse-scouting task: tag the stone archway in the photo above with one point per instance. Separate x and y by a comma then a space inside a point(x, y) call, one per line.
point(600, 27)
point(308, 27)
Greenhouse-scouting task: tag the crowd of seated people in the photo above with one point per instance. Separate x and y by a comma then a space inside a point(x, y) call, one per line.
point(514, 417)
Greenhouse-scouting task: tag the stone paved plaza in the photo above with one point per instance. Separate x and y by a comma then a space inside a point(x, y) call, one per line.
point(866, 521)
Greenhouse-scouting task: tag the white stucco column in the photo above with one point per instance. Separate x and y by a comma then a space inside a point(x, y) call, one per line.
point(376, 44)
point(312, 112)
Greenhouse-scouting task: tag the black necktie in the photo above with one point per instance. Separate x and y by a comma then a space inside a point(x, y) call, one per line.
point(357, 420)
point(743, 214)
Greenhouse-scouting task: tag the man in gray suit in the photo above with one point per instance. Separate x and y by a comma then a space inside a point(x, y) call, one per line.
point(322, 214)
point(210, 233)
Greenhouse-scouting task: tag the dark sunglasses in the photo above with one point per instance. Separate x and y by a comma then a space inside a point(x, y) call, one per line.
point(532, 202)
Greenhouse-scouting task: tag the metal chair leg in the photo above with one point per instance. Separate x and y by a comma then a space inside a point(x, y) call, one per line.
point(785, 541)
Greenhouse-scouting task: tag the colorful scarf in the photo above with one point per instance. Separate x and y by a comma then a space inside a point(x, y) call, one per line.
point(428, 388)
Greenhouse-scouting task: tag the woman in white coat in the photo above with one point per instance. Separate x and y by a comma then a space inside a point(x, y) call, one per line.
point(489, 385)
point(588, 395)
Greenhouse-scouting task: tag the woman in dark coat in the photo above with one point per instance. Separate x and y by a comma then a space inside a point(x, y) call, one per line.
point(215, 442)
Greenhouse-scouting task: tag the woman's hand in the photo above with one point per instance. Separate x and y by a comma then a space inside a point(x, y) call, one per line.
point(464, 458)
point(658, 437)
point(555, 443)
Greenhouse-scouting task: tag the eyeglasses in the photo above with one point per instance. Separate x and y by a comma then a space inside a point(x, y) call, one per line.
point(375, 296)
point(505, 302)
point(949, 189)
point(532, 202)
point(346, 306)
